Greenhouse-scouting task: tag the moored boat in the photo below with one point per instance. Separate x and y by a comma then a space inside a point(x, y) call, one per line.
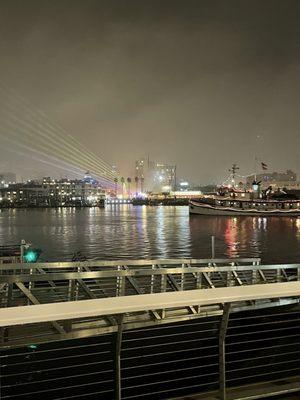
point(230, 207)
point(233, 201)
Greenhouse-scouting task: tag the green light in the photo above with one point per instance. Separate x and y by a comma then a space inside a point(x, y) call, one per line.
point(31, 256)
point(33, 347)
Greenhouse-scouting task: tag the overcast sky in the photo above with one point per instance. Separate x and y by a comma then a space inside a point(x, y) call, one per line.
point(192, 83)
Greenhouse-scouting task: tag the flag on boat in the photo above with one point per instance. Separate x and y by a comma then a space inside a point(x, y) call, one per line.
point(264, 166)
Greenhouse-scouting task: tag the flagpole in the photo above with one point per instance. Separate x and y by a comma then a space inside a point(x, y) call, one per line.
point(256, 158)
point(255, 168)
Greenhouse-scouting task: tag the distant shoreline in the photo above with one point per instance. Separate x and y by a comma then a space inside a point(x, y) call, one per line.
point(151, 203)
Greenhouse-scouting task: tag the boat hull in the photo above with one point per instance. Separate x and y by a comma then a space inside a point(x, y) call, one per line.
point(207, 209)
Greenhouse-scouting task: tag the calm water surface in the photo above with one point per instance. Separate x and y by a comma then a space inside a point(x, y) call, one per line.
point(128, 232)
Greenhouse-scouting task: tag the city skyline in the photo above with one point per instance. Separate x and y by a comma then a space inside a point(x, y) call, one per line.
point(196, 85)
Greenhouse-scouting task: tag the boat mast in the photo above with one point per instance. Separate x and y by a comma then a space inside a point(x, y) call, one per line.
point(233, 171)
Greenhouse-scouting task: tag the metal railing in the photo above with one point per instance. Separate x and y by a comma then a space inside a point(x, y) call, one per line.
point(271, 350)
point(42, 283)
point(217, 302)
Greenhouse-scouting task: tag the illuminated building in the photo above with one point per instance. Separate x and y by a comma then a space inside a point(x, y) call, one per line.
point(6, 178)
point(158, 177)
point(53, 193)
point(276, 179)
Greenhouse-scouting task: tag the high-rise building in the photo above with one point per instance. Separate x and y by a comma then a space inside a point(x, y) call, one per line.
point(141, 168)
point(156, 176)
point(164, 177)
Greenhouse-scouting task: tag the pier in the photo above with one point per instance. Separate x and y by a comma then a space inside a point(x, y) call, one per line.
point(158, 329)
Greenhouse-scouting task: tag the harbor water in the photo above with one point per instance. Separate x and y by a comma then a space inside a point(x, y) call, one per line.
point(145, 232)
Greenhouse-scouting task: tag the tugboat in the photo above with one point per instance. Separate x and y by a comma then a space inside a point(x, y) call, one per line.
point(230, 201)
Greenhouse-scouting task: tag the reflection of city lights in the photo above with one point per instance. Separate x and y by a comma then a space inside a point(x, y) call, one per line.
point(230, 238)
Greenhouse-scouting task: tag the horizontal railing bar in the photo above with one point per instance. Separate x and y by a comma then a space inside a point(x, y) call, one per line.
point(64, 276)
point(144, 346)
point(171, 335)
point(60, 378)
point(140, 324)
point(59, 368)
point(116, 263)
point(261, 340)
point(159, 362)
point(171, 371)
point(265, 323)
point(263, 348)
point(60, 388)
point(56, 358)
point(55, 349)
point(261, 357)
point(261, 332)
point(262, 366)
point(261, 316)
point(171, 380)
point(238, 378)
point(75, 396)
point(177, 389)
point(119, 305)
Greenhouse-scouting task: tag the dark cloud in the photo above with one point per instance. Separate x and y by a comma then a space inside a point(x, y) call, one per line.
point(189, 82)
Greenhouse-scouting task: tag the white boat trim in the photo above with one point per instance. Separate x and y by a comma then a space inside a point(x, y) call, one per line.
point(208, 209)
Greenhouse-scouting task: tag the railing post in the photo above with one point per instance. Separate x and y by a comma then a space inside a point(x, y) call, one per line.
point(182, 278)
point(212, 247)
point(71, 290)
point(22, 248)
point(163, 288)
point(9, 295)
point(120, 285)
point(118, 387)
point(198, 286)
point(222, 351)
point(152, 280)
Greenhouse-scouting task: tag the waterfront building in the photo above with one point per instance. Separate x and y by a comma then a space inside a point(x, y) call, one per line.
point(51, 193)
point(286, 179)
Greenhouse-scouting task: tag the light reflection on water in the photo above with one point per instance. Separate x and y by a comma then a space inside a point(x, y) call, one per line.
point(129, 232)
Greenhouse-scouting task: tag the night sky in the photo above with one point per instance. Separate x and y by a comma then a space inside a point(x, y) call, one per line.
point(192, 83)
